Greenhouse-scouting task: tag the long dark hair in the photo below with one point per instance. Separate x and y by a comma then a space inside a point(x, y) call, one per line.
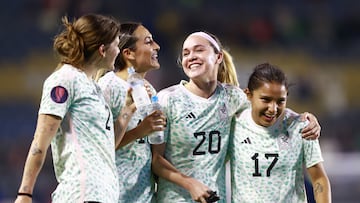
point(127, 41)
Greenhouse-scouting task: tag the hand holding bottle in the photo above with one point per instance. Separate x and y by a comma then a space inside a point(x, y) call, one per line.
point(156, 137)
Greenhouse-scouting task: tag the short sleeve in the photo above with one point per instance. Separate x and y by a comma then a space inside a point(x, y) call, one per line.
point(57, 95)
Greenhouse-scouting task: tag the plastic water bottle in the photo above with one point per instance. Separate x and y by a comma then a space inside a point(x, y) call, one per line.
point(139, 93)
point(156, 137)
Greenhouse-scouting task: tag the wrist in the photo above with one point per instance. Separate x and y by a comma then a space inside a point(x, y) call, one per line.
point(24, 194)
point(187, 183)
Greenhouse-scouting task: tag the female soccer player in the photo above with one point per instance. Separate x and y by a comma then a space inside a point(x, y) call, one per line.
point(75, 118)
point(268, 154)
point(133, 156)
point(192, 161)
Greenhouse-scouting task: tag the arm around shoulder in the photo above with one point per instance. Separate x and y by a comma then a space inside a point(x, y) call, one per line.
point(311, 131)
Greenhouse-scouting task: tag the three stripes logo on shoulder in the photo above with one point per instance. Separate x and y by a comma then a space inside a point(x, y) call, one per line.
point(190, 115)
point(246, 141)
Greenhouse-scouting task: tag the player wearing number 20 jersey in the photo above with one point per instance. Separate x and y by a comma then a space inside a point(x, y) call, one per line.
point(133, 161)
point(267, 164)
point(197, 136)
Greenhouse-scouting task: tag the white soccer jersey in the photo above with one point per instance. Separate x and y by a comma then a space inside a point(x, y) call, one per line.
point(197, 136)
point(267, 164)
point(83, 148)
point(133, 161)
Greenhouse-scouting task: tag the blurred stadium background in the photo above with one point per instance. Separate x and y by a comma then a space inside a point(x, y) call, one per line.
point(316, 42)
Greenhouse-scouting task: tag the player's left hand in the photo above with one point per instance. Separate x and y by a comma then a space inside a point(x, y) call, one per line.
point(312, 130)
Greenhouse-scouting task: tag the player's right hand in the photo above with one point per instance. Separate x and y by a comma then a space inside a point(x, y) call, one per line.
point(198, 191)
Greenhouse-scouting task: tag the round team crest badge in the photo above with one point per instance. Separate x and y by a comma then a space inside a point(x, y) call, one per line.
point(284, 141)
point(223, 112)
point(59, 94)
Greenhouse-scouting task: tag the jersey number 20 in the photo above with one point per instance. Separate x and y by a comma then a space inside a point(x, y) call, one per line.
point(214, 138)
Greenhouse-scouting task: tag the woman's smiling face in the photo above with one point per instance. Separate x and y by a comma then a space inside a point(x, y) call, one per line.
point(268, 103)
point(199, 58)
point(146, 51)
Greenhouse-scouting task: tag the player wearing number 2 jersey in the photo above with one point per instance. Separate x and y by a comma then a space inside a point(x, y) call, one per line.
point(91, 142)
point(75, 118)
point(268, 154)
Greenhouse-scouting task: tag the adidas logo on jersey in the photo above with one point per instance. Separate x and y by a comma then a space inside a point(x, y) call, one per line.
point(94, 93)
point(246, 141)
point(190, 115)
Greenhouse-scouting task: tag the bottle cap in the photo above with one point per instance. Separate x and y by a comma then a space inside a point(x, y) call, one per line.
point(154, 99)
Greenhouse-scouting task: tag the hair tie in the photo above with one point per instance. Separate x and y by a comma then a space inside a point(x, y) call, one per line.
point(24, 194)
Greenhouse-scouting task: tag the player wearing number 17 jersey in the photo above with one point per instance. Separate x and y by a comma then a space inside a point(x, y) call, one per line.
point(268, 154)
point(266, 164)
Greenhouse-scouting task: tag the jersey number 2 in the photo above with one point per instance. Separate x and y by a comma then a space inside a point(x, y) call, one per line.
point(107, 125)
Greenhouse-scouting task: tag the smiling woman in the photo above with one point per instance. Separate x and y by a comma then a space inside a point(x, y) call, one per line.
point(133, 156)
point(267, 91)
point(191, 165)
point(268, 154)
point(199, 112)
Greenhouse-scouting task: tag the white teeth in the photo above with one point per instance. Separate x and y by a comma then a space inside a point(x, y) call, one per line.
point(270, 116)
point(194, 65)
